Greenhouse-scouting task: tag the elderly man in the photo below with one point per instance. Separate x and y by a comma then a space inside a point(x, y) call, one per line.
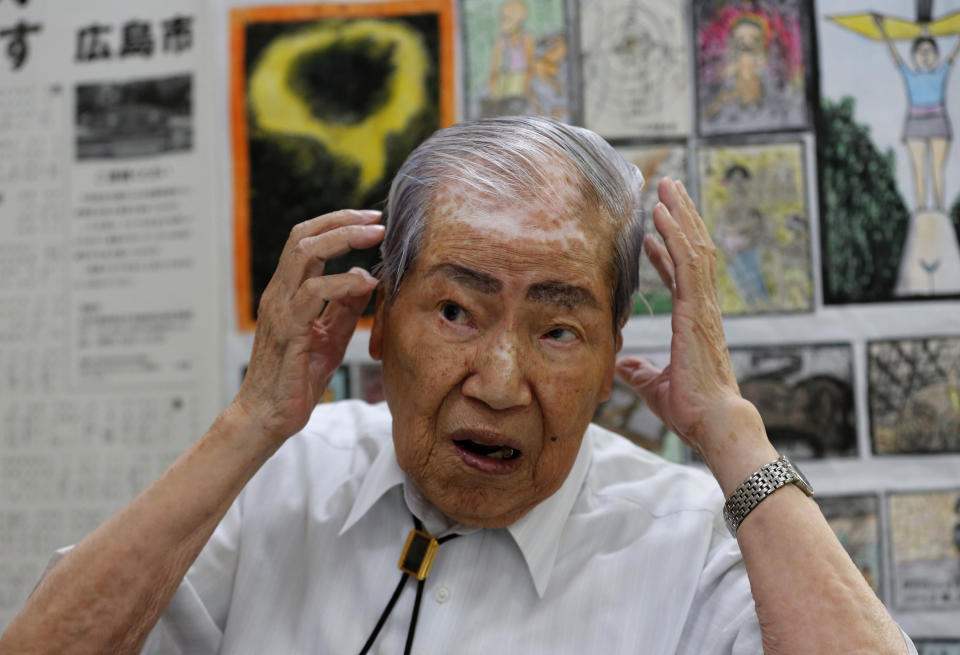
point(508, 267)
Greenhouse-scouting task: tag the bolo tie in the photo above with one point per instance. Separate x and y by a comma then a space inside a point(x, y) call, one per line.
point(415, 562)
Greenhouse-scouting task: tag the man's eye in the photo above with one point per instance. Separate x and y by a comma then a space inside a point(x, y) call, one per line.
point(563, 335)
point(453, 312)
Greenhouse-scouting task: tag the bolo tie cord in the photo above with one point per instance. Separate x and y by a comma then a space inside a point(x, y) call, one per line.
point(393, 601)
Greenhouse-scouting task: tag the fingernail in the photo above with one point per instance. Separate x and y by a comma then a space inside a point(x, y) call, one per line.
point(356, 270)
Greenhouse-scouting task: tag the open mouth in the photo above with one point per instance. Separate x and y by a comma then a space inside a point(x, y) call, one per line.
point(492, 451)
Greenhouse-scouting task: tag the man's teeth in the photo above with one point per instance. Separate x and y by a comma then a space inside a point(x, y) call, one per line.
point(493, 452)
point(503, 453)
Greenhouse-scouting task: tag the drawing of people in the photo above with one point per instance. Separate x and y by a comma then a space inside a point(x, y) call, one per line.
point(927, 127)
point(510, 62)
point(739, 234)
point(745, 63)
point(548, 83)
point(750, 69)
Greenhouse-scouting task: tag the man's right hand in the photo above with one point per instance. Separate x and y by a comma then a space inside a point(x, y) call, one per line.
point(305, 320)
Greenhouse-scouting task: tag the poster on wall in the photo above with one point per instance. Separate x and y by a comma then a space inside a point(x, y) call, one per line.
point(751, 68)
point(914, 395)
point(854, 521)
point(655, 162)
point(308, 137)
point(109, 343)
point(925, 551)
point(753, 201)
point(804, 394)
point(635, 58)
point(890, 172)
point(517, 59)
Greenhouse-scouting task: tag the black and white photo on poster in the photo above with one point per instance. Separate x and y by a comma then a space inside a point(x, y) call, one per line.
point(135, 118)
point(914, 395)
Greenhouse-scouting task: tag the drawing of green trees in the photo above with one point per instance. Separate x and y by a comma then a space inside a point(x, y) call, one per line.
point(864, 217)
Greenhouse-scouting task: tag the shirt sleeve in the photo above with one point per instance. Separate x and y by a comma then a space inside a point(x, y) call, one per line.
point(195, 619)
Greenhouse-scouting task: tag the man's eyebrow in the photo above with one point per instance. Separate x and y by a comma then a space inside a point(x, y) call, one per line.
point(480, 282)
point(563, 294)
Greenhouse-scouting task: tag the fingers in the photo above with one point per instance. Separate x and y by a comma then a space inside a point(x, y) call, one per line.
point(314, 241)
point(339, 318)
point(642, 376)
point(315, 292)
point(660, 258)
point(687, 241)
point(673, 194)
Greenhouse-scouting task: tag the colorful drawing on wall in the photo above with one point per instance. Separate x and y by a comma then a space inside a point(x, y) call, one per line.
point(655, 162)
point(751, 73)
point(635, 68)
point(885, 151)
point(516, 58)
point(753, 199)
point(925, 550)
point(914, 395)
point(804, 394)
point(937, 647)
point(626, 414)
point(854, 521)
point(327, 100)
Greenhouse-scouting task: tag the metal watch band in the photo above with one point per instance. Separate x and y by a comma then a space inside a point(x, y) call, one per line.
point(758, 486)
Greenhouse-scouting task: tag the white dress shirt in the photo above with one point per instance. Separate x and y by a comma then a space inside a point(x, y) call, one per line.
point(630, 555)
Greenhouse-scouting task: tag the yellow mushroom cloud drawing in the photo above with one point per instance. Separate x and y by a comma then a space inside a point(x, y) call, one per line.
point(280, 105)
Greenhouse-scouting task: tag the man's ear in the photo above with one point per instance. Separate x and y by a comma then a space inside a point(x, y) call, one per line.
point(376, 332)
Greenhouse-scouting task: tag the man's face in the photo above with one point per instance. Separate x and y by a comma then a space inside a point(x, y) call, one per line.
point(496, 352)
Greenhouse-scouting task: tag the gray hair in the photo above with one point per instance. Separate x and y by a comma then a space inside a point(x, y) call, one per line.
point(510, 157)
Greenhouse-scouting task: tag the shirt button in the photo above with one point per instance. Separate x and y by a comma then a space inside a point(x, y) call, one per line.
point(442, 595)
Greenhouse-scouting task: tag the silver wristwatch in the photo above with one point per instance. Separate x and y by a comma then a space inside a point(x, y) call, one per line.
point(758, 486)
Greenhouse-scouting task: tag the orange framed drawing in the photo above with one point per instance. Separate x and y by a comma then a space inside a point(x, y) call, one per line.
point(326, 102)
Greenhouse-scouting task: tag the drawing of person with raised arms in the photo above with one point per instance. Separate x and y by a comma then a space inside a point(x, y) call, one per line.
point(927, 126)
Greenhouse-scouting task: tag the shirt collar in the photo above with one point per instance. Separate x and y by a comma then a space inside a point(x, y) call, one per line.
point(537, 534)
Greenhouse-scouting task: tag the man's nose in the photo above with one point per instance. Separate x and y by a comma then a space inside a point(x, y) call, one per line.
point(499, 374)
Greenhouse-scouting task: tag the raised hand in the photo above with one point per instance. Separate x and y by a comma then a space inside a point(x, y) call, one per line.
point(305, 320)
point(696, 393)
